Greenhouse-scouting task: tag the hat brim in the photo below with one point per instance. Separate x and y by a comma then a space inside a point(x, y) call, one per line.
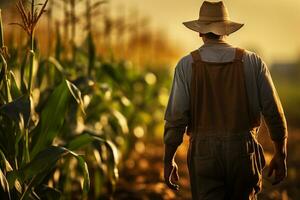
point(218, 28)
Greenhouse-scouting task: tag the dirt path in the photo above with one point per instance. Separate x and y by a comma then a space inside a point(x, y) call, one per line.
point(142, 177)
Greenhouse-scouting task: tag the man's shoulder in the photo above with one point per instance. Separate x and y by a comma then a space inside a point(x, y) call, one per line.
point(185, 62)
point(252, 61)
point(252, 56)
point(184, 67)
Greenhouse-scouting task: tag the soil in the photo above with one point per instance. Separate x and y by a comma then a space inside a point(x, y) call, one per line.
point(142, 176)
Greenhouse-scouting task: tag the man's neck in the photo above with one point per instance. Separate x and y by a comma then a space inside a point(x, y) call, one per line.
point(211, 41)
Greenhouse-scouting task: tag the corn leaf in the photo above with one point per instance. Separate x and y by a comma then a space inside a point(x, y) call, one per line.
point(91, 52)
point(43, 163)
point(9, 140)
point(113, 170)
point(52, 118)
point(88, 138)
point(15, 91)
point(17, 108)
point(76, 93)
point(80, 141)
point(47, 192)
point(122, 121)
point(6, 81)
point(53, 114)
point(2, 73)
point(1, 31)
point(58, 45)
point(4, 191)
point(5, 163)
point(22, 73)
point(113, 72)
point(112, 163)
point(57, 65)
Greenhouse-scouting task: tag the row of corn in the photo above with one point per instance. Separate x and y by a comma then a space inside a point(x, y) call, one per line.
point(67, 126)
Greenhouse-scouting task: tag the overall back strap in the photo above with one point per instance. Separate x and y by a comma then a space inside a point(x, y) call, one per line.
point(196, 55)
point(239, 53)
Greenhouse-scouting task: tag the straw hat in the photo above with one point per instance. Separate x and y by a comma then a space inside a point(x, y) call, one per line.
point(213, 17)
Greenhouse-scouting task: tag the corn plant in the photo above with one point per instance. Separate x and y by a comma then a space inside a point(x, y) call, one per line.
point(27, 154)
point(90, 12)
point(83, 125)
point(23, 169)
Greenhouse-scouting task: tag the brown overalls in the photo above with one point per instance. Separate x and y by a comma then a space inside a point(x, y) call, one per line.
point(225, 161)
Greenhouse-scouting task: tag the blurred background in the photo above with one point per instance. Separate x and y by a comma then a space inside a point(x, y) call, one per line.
point(121, 56)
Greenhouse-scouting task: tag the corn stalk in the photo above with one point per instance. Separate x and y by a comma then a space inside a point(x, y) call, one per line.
point(90, 12)
point(17, 126)
point(4, 56)
point(29, 21)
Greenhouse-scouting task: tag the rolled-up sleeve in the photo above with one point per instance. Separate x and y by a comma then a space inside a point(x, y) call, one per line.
point(270, 104)
point(177, 112)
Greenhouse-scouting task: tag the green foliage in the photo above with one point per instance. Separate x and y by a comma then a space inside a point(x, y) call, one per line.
point(1, 31)
point(69, 122)
point(52, 117)
point(27, 157)
point(86, 139)
point(36, 170)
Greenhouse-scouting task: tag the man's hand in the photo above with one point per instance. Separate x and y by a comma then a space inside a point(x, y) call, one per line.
point(171, 174)
point(278, 166)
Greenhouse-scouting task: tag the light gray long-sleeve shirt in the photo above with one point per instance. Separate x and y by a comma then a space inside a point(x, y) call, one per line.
point(263, 98)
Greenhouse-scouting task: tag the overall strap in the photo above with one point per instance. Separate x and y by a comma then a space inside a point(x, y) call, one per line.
point(196, 56)
point(239, 53)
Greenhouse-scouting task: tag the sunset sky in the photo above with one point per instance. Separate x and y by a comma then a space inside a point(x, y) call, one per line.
point(272, 28)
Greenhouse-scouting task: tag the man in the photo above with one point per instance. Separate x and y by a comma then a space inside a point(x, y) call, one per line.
point(218, 95)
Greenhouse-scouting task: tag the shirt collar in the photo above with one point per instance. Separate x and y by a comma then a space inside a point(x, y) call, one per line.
point(217, 44)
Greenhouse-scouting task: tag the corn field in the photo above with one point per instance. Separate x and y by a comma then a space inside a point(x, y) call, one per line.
point(68, 119)
point(83, 89)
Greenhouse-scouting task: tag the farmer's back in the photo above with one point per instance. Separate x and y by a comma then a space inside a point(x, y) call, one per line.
point(219, 92)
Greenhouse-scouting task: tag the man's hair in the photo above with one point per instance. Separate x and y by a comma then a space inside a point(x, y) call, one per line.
point(211, 36)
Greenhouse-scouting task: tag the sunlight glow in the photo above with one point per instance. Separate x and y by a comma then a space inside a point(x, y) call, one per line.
point(138, 131)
